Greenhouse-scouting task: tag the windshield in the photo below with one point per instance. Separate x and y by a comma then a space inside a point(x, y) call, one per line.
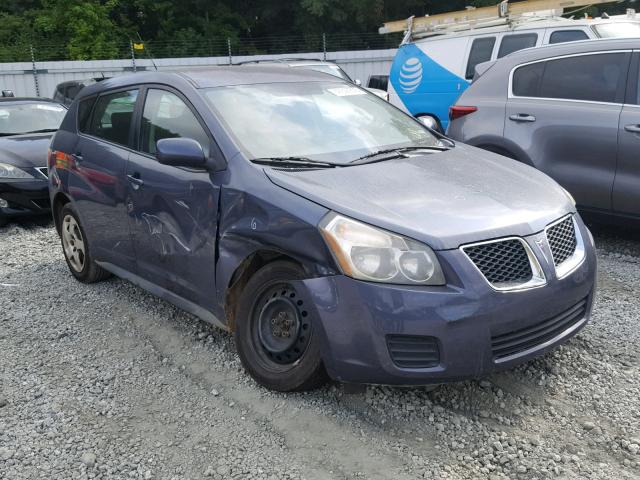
point(332, 121)
point(26, 117)
point(334, 70)
point(618, 30)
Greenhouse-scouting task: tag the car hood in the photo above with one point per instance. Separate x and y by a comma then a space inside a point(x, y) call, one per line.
point(445, 199)
point(25, 150)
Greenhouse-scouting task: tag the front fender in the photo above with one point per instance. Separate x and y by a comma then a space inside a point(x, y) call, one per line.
point(284, 225)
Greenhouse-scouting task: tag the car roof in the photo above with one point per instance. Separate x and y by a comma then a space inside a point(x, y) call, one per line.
point(570, 48)
point(213, 77)
point(289, 62)
point(27, 99)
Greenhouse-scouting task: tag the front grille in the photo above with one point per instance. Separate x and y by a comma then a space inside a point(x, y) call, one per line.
point(44, 171)
point(517, 341)
point(410, 351)
point(503, 262)
point(562, 240)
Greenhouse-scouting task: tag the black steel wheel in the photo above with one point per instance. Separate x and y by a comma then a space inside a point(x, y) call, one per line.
point(276, 336)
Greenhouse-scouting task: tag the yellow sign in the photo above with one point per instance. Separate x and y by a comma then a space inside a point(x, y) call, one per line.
point(138, 46)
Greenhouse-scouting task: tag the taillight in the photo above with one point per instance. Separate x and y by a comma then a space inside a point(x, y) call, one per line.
point(458, 111)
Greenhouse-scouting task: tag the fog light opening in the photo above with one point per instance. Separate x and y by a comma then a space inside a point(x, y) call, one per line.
point(3, 203)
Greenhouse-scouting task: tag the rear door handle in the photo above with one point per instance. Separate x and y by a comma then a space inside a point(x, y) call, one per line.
point(632, 128)
point(78, 157)
point(135, 180)
point(522, 117)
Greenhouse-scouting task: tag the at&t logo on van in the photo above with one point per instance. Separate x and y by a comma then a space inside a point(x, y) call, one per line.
point(410, 75)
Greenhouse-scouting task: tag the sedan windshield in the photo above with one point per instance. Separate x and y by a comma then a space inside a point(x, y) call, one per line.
point(618, 30)
point(329, 121)
point(29, 117)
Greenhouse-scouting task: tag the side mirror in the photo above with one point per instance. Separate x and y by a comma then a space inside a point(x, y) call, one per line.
point(430, 122)
point(358, 82)
point(180, 152)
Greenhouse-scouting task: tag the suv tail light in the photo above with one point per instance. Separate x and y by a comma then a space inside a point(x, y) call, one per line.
point(457, 111)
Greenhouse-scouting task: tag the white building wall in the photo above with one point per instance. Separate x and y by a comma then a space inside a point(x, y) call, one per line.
point(19, 77)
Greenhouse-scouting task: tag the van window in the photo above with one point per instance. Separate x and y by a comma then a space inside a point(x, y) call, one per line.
point(562, 36)
point(481, 50)
point(167, 116)
point(513, 43)
point(112, 116)
point(596, 78)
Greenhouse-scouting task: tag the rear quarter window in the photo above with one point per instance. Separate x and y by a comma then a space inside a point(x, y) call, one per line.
point(84, 112)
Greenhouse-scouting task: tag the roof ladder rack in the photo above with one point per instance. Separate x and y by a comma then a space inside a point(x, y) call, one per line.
point(472, 17)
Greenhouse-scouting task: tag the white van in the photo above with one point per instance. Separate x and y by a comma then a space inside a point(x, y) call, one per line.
point(429, 73)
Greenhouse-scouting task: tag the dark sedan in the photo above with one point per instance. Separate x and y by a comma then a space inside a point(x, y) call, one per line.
point(26, 126)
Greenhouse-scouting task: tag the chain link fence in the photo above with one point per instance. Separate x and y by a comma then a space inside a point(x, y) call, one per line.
point(26, 51)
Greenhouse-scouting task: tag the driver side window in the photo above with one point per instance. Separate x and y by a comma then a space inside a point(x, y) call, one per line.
point(167, 116)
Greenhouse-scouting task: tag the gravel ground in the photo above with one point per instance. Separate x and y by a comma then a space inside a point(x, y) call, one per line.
point(106, 381)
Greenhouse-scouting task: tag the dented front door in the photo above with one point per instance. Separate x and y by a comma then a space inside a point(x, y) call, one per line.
point(173, 216)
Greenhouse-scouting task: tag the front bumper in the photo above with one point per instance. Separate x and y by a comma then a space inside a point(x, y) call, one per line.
point(467, 317)
point(25, 197)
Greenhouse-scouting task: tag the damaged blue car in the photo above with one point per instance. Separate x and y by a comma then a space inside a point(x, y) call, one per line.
point(333, 234)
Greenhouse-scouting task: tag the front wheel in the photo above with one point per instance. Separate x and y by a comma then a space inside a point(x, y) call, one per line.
point(276, 335)
point(76, 249)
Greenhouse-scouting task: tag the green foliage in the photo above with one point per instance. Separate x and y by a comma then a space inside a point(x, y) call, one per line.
point(96, 29)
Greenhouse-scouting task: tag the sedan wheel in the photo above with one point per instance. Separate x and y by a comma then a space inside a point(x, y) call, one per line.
point(73, 243)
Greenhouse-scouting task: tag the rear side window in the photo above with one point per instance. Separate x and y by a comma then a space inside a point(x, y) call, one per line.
point(84, 112)
point(112, 116)
point(481, 50)
point(596, 78)
point(513, 43)
point(562, 36)
point(167, 116)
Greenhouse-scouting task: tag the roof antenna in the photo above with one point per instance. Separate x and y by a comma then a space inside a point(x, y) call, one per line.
point(147, 52)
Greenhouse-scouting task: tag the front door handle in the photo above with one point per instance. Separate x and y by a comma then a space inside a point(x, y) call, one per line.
point(522, 117)
point(632, 128)
point(135, 180)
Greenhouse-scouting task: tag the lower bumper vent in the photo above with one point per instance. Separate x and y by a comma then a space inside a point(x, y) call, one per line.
point(410, 351)
point(518, 341)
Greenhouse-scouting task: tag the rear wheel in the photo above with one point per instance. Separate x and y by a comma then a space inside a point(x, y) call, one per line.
point(76, 248)
point(276, 334)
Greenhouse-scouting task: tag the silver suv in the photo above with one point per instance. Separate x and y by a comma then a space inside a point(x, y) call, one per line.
point(570, 110)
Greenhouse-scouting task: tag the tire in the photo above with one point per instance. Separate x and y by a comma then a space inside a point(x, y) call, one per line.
point(3, 221)
point(277, 338)
point(76, 249)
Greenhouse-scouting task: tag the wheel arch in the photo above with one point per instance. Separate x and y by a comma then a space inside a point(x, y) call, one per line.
point(501, 146)
point(244, 271)
point(59, 201)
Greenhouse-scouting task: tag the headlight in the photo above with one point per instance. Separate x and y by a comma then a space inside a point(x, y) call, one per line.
point(9, 171)
point(368, 253)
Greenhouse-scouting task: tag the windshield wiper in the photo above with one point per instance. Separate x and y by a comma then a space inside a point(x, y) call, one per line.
point(294, 162)
point(44, 130)
point(397, 151)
